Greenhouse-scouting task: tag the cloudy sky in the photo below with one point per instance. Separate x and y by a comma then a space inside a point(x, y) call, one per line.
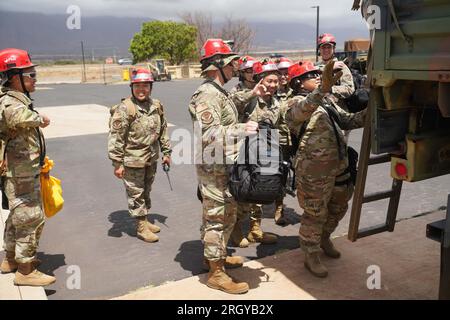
point(331, 12)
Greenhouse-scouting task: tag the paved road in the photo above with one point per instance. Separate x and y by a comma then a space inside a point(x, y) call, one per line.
point(95, 233)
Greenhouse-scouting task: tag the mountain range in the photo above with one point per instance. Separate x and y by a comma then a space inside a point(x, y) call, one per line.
point(47, 37)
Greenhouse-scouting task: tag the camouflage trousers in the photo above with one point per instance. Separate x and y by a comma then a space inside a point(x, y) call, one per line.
point(26, 219)
point(285, 149)
point(219, 211)
point(138, 184)
point(324, 204)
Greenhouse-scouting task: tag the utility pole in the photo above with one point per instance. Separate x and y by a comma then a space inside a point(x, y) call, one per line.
point(104, 75)
point(84, 63)
point(317, 31)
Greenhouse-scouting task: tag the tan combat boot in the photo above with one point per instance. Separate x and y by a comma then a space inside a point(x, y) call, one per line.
point(231, 262)
point(152, 227)
point(143, 232)
point(314, 265)
point(219, 280)
point(9, 263)
point(257, 235)
point(237, 238)
point(28, 275)
point(328, 247)
point(279, 215)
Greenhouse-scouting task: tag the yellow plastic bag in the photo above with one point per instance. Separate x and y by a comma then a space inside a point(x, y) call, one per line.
point(51, 190)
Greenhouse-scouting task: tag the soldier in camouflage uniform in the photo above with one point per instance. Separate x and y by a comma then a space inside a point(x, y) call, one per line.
point(345, 87)
point(324, 186)
point(284, 93)
point(215, 118)
point(266, 108)
point(25, 151)
point(242, 92)
point(138, 129)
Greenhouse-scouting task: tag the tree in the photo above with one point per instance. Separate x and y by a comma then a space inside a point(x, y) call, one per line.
point(237, 30)
point(203, 22)
point(170, 40)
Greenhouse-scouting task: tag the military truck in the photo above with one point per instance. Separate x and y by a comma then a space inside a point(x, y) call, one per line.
point(409, 104)
point(410, 87)
point(356, 51)
point(159, 70)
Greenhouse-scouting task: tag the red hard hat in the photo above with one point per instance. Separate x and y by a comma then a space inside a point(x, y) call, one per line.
point(246, 62)
point(326, 38)
point(141, 75)
point(214, 47)
point(264, 66)
point(301, 68)
point(284, 63)
point(14, 59)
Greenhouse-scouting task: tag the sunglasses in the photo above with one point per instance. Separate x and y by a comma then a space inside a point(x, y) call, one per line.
point(32, 75)
point(310, 76)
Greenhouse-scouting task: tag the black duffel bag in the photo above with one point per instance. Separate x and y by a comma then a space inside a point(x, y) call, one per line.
point(257, 176)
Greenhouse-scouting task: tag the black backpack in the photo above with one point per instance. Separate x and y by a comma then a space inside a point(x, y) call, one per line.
point(255, 177)
point(359, 100)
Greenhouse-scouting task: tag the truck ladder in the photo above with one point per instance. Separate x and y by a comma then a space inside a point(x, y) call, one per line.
point(360, 198)
point(440, 231)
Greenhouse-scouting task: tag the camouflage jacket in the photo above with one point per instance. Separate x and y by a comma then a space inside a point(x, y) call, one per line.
point(275, 112)
point(21, 133)
point(318, 153)
point(240, 95)
point(285, 132)
point(284, 96)
point(344, 87)
point(215, 119)
point(134, 140)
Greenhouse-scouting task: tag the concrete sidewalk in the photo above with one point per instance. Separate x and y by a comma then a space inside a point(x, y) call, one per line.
point(8, 291)
point(408, 263)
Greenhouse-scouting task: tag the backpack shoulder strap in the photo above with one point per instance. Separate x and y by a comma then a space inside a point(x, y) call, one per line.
point(216, 85)
point(16, 95)
point(131, 107)
point(335, 119)
point(159, 107)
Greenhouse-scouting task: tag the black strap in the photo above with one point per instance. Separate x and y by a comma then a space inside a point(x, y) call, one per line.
point(292, 169)
point(334, 117)
point(342, 183)
point(249, 108)
point(42, 146)
point(22, 83)
point(4, 150)
point(247, 151)
point(225, 79)
point(302, 131)
point(217, 86)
